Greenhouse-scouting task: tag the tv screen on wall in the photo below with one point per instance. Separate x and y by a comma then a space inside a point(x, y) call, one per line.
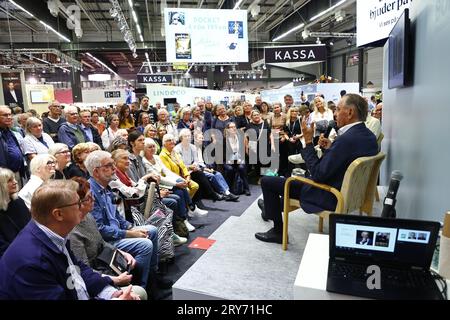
point(399, 53)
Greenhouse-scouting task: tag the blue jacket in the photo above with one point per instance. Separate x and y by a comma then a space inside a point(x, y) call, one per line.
point(33, 268)
point(5, 160)
point(357, 142)
point(67, 136)
point(110, 223)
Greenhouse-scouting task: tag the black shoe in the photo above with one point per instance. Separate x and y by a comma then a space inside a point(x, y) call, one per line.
point(270, 236)
point(200, 205)
point(247, 193)
point(231, 197)
point(217, 197)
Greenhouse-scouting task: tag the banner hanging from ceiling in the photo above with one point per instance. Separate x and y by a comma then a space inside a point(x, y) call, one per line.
point(376, 18)
point(204, 35)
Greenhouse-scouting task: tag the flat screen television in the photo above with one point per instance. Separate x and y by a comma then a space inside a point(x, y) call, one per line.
point(400, 53)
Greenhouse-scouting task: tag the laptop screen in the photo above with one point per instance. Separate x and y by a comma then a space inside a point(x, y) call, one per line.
point(397, 242)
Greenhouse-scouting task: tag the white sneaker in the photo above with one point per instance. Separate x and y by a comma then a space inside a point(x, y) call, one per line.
point(177, 240)
point(296, 159)
point(197, 213)
point(189, 226)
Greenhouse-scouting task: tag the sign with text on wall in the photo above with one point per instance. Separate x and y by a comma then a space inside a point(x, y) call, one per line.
point(295, 55)
point(154, 78)
point(376, 18)
point(206, 35)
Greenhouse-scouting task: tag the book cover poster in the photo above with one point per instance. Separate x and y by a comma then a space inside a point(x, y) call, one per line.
point(237, 28)
point(183, 46)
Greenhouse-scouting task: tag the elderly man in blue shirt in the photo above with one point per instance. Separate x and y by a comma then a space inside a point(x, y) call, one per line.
point(70, 132)
point(141, 242)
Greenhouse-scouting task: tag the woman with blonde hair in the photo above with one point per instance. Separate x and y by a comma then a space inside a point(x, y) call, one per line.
point(42, 168)
point(79, 154)
point(14, 214)
point(62, 154)
point(320, 117)
point(36, 141)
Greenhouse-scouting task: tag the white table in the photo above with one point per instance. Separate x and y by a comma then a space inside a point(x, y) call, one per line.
point(311, 280)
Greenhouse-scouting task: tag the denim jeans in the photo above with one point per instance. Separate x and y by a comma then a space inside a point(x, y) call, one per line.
point(144, 250)
point(171, 202)
point(183, 199)
point(217, 181)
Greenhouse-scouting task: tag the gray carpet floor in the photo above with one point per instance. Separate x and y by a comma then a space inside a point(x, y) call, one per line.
point(219, 212)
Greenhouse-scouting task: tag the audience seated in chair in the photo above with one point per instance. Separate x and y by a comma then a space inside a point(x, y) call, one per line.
point(39, 265)
point(14, 214)
point(354, 140)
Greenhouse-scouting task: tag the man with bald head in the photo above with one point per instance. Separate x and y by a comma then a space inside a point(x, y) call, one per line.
point(70, 132)
point(54, 120)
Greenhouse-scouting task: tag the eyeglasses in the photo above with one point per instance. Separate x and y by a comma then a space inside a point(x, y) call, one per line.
point(109, 166)
point(64, 151)
point(51, 163)
point(79, 203)
point(6, 115)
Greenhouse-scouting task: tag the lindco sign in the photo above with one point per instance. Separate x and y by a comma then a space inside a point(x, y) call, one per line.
point(288, 54)
point(154, 78)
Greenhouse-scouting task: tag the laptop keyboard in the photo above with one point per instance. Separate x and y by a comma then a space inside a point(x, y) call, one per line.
point(389, 277)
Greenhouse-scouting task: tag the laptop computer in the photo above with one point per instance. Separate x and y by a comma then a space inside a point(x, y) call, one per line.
point(382, 258)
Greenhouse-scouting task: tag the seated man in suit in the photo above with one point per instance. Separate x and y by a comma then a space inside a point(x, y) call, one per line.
point(354, 141)
point(364, 239)
point(39, 263)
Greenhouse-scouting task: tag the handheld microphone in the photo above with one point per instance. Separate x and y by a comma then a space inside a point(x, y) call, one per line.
point(390, 199)
point(331, 126)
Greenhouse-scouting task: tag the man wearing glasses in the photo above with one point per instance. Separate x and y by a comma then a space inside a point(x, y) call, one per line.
point(10, 153)
point(70, 132)
point(54, 120)
point(39, 264)
point(141, 242)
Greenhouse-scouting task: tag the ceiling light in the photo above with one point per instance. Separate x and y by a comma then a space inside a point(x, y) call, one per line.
point(237, 4)
point(141, 38)
point(331, 43)
point(221, 68)
point(328, 10)
point(21, 8)
point(318, 41)
point(134, 16)
point(113, 12)
point(138, 28)
point(146, 56)
point(54, 31)
point(289, 32)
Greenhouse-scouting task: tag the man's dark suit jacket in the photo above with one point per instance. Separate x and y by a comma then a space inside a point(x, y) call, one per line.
point(32, 268)
point(357, 142)
point(10, 99)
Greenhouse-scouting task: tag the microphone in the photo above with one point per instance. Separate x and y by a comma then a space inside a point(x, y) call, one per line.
point(331, 126)
point(390, 199)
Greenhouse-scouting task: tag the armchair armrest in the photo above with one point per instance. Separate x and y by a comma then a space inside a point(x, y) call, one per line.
point(336, 192)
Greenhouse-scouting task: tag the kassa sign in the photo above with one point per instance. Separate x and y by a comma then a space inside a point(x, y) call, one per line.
point(289, 54)
point(154, 78)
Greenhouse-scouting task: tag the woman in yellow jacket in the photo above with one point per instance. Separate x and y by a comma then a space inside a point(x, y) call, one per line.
point(174, 163)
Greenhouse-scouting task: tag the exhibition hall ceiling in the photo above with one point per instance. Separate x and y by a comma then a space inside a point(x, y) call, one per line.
point(99, 34)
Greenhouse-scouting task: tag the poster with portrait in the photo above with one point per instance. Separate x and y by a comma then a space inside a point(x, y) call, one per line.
point(12, 89)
